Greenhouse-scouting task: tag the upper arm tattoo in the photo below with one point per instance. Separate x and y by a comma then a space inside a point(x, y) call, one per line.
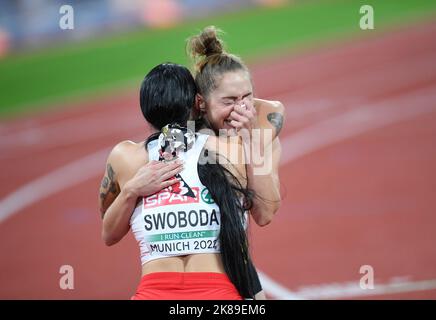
point(276, 119)
point(109, 189)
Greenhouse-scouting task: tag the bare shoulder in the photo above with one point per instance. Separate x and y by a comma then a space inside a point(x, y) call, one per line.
point(271, 115)
point(125, 157)
point(267, 106)
point(125, 150)
point(123, 147)
point(121, 164)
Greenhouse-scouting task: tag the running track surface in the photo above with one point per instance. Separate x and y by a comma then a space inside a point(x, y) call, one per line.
point(358, 181)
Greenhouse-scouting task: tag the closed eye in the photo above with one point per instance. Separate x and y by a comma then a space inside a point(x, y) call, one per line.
point(235, 98)
point(228, 102)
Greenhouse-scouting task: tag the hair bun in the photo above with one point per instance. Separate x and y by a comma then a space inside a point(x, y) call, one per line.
point(206, 43)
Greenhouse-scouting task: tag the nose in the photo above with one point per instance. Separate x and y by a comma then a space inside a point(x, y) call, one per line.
point(241, 102)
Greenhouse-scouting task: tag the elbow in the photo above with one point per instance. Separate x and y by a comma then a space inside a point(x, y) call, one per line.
point(279, 107)
point(265, 217)
point(108, 239)
point(109, 242)
point(275, 208)
point(264, 221)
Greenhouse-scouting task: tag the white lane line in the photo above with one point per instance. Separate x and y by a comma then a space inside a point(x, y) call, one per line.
point(339, 128)
point(381, 78)
point(56, 181)
point(294, 146)
point(67, 132)
point(310, 139)
point(343, 290)
point(352, 123)
point(276, 290)
point(353, 289)
point(57, 134)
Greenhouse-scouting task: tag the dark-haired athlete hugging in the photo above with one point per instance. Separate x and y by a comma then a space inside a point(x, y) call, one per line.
point(188, 217)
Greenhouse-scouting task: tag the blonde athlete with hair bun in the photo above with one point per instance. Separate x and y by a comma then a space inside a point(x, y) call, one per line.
point(226, 101)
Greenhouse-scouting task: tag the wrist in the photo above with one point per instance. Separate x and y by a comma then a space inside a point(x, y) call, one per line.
point(130, 192)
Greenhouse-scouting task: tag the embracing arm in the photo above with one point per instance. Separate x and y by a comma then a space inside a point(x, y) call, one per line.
point(271, 115)
point(266, 184)
point(260, 175)
point(118, 203)
point(116, 221)
point(263, 176)
point(262, 153)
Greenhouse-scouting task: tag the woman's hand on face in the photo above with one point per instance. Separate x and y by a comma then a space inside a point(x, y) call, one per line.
point(153, 177)
point(244, 116)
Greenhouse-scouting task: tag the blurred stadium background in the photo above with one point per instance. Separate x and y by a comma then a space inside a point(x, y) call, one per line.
point(358, 167)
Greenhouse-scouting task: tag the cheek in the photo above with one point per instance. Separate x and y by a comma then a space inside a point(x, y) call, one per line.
point(248, 100)
point(220, 113)
point(226, 115)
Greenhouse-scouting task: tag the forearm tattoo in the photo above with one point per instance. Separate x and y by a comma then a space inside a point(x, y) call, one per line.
point(108, 186)
point(276, 119)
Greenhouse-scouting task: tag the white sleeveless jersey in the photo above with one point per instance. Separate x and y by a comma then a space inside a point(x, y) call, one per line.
point(181, 220)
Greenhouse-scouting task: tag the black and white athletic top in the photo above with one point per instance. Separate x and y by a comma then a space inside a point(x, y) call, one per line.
point(180, 220)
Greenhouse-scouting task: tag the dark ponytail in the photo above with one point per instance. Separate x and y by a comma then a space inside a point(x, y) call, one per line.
point(233, 200)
